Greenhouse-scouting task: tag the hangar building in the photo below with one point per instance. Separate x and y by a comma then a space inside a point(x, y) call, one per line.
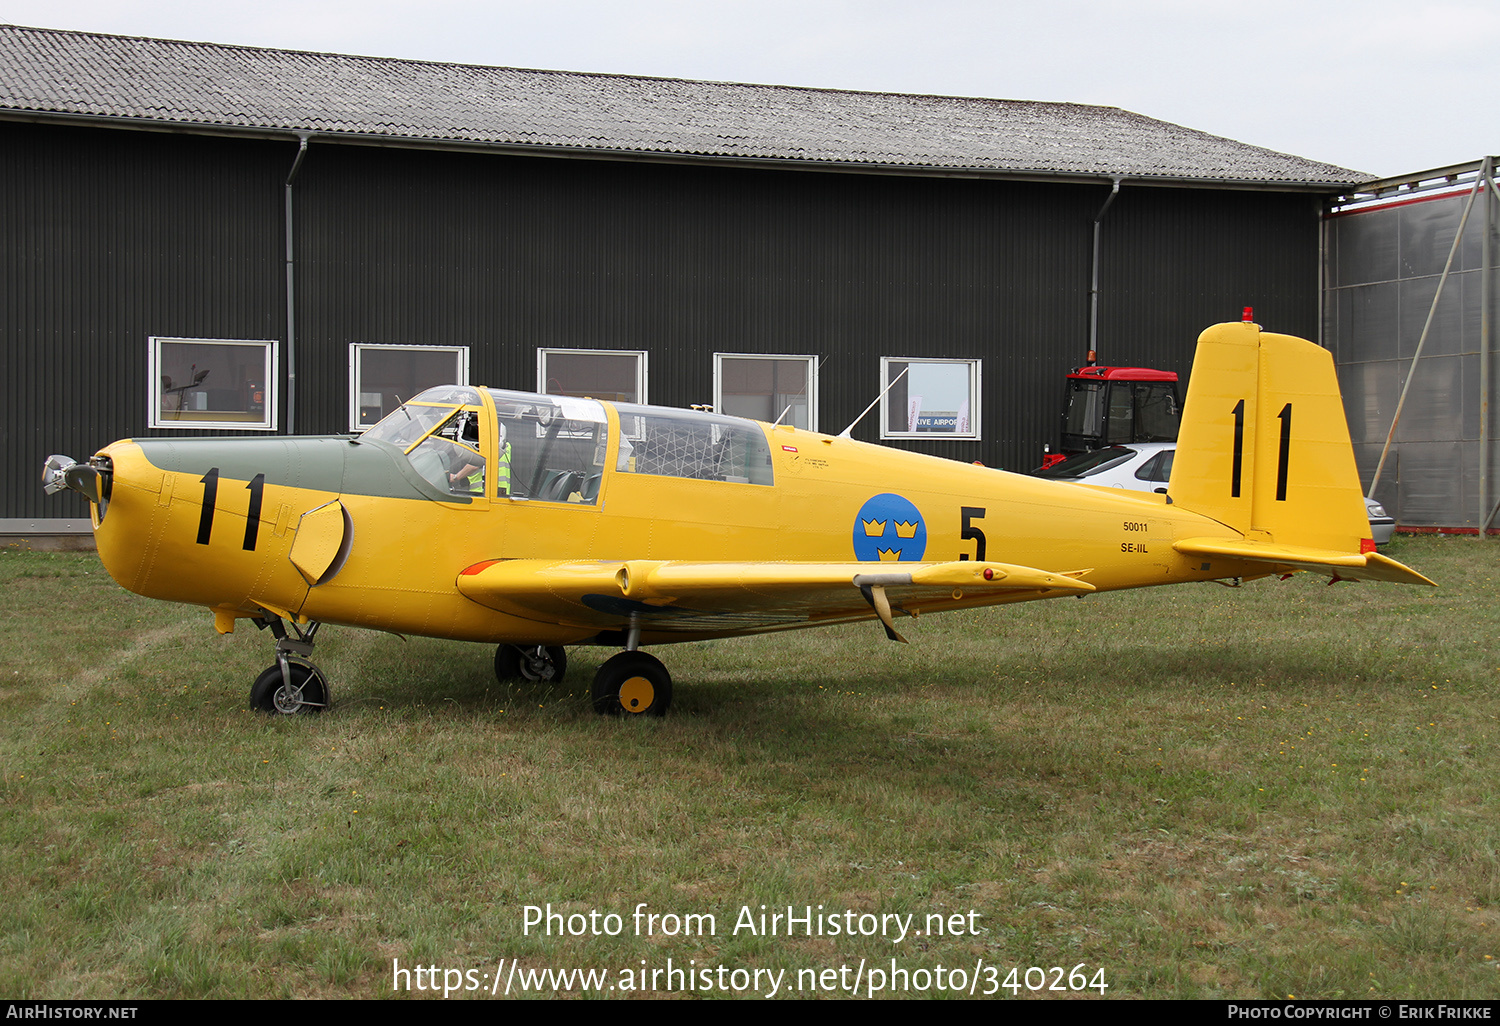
point(208, 239)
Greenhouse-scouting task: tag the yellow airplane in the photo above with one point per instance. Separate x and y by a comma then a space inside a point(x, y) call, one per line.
point(534, 522)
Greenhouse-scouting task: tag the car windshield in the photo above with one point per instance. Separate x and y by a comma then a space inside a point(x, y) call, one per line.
point(1084, 464)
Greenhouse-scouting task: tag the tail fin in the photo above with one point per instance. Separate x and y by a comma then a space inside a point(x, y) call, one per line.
point(1264, 449)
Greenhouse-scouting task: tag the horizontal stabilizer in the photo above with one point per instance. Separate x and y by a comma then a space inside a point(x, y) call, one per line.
point(1344, 566)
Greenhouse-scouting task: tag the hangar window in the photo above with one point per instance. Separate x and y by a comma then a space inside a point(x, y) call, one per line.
point(774, 389)
point(382, 377)
point(213, 383)
point(618, 375)
point(929, 398)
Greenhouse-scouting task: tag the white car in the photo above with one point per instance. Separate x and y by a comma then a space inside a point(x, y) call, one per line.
point(1142, 466)
point(1382, 525)
point(1147, 467)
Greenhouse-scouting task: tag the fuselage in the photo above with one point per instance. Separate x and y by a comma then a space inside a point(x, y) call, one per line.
point(375, 531)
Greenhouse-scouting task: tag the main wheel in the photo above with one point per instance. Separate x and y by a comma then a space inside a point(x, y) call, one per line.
point(633, 684)
point(530, 662)
point(308, 692)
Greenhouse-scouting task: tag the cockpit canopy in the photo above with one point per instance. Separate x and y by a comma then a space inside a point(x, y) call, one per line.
point(552, 448)
point(687, 443)
point(549, 448)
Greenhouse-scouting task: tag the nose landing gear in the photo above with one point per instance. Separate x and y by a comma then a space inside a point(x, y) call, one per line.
point(292, 686)
point(299, 688)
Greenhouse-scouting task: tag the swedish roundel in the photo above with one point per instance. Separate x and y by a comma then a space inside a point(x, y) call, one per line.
point(889, 528)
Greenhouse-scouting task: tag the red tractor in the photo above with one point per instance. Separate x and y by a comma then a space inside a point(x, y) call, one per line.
point(1116, 405)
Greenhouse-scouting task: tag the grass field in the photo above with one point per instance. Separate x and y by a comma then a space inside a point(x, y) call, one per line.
point(1282, 789)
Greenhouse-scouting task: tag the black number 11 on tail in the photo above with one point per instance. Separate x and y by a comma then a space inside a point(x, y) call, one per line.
point(1283, 455)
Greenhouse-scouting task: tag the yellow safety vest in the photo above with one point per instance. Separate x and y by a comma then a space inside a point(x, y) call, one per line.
point(502, 474)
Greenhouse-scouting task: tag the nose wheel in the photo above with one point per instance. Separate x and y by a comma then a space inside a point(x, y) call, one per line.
point(299, 688)
point(292, 686)
point(632, 684)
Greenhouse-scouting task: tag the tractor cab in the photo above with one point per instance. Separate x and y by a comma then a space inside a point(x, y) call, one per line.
point(1116, 405)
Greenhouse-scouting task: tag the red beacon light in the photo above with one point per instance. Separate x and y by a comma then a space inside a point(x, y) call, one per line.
point(1249, 314)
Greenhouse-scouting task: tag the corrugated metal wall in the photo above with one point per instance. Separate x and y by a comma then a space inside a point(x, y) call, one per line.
point(1384, 265)
point(1178, 260)
point(115, 236)
point(110, 237)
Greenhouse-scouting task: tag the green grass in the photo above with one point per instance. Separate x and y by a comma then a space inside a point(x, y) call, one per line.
point(1285, 788)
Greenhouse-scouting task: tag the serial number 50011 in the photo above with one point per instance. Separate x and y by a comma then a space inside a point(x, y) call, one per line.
point(1135, 525)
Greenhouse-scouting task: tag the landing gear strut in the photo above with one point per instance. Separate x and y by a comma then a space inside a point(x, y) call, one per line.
point(293, 685)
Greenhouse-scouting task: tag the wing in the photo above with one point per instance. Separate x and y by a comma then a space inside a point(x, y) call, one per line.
point(707, 599)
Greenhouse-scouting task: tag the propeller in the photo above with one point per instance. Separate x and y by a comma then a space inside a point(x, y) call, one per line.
point(59, 472)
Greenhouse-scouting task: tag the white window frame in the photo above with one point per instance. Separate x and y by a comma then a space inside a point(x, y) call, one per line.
point(271, 371)
point(976, 381)
point(356, 349)
point(640, 368)
point(812, 380)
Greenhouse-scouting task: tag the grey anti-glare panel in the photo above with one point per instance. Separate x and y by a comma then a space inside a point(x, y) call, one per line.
point(1366, 249)
point(1445, 333)
point(1469, 365)
point(1469, 484)
point(1434, 402)
point(1471, 285)
point(1368, 322)
point(1431, 491)
point(1426, 233)
point(1471, 249)
point(1370, 392)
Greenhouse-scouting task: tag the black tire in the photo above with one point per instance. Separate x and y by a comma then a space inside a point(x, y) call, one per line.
point(521, 662)
point(308, 694)
point(632, 684)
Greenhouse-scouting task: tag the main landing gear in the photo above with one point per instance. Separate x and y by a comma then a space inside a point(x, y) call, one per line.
point(535, 663)
point(293, 685)
point(630, 683)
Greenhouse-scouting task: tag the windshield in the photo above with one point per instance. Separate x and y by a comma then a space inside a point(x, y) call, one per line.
point(439, 431)
point(413, 420)
point(1085, 413)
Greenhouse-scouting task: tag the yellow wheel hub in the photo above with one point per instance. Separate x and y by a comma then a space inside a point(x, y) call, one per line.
point(636, 695)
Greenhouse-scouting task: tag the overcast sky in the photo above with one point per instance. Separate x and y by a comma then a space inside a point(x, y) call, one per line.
point(1379, 86)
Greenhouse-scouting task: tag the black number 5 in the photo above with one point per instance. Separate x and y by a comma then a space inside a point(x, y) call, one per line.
point(969, 514)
